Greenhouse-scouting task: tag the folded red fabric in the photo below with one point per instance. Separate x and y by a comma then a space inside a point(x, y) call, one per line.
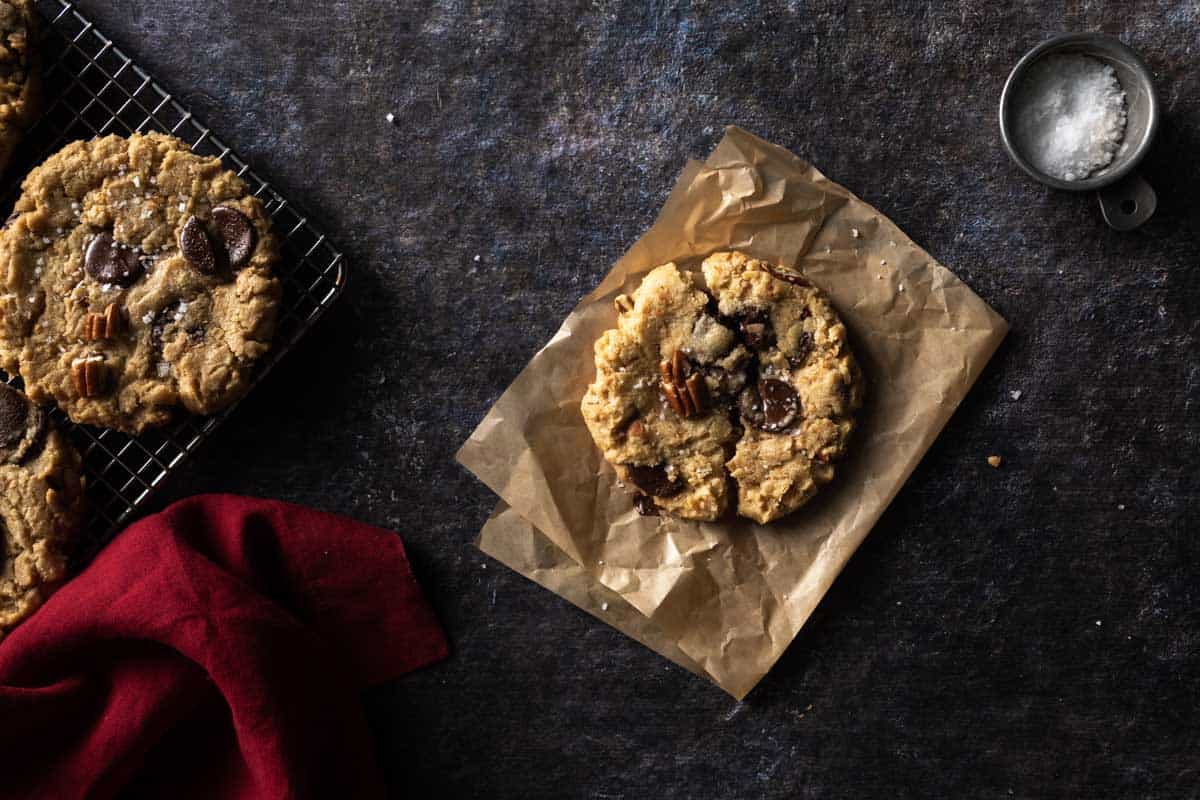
point(216, 649)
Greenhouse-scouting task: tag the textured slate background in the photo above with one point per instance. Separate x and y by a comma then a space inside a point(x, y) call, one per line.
point(1031, 631)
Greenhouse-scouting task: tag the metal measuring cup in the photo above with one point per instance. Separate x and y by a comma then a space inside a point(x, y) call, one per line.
point(1126, 200)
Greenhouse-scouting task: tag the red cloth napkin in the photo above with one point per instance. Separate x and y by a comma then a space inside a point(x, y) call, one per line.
point(214, 650)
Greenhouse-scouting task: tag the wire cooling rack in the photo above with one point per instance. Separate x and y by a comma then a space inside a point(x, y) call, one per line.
point(92, 88)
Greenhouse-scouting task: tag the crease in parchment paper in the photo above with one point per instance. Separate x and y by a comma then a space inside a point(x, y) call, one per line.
point(724, 600)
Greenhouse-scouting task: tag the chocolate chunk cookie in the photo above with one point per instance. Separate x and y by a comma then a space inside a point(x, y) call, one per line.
point(798, 411)
point(19, 82)
point(750, 380)
point(41, 504)
point(656, 409)
point(135, 277)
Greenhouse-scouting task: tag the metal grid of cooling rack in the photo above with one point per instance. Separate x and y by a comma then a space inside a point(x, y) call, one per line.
point(92, 88)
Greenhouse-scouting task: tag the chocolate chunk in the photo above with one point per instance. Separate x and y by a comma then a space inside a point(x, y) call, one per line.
point(780, 403)
point(14, 417)
point(654, 480)
point(197, 247)
point(645, 505)
point(803, 347)
point(236, 232)
point(758, 333)
point(773, 407)
point(109, 261)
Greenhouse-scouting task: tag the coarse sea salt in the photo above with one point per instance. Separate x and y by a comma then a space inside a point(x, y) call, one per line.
point(1070, 118)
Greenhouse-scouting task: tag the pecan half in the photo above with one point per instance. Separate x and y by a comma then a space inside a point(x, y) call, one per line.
point(686, 392)
point(90, 377)
point(104, 325)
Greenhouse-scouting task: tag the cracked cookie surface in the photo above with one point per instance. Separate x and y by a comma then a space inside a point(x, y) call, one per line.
point(41, 504)
point(746, 379)
point(135, 277)
point(19, 81)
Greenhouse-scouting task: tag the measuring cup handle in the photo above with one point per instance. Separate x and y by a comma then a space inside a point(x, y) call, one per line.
point(1127, 203)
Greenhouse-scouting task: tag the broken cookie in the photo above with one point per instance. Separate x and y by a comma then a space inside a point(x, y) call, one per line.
point(743, 379)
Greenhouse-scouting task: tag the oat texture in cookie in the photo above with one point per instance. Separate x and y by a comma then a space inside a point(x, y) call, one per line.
point(41, 500)
point(744, 380)
point(19, 81)
point(135, 278)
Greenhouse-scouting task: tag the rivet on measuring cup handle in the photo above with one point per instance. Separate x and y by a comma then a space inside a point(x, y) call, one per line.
point(1127, 204)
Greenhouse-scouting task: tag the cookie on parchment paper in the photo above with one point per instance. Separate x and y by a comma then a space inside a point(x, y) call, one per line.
point(737, 384)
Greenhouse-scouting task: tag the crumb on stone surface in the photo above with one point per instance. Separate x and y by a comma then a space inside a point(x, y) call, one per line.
point(995, 461)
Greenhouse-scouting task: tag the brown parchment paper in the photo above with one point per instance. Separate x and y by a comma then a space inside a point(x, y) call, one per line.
point(724, 600)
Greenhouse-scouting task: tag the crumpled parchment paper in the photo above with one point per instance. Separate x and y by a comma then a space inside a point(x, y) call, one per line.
point(724, 600)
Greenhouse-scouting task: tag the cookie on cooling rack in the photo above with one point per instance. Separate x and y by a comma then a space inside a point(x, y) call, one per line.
point(41, 506)
point(19, 79)
point(744, 379)
point(135, 278)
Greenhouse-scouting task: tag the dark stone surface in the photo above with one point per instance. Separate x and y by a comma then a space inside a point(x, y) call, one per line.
point(1028, 631)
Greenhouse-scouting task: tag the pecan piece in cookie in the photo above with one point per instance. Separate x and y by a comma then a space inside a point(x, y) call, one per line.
point(89, 376)
point(106, 325)
point(686, 392)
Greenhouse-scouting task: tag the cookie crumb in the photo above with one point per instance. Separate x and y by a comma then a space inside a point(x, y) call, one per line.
point(476, 259)
point(994, 461)
point(1015, 394)
point(391, 118)
point(1098, 623)
point(1120, 506)
point(854, 233)
point(604, 606)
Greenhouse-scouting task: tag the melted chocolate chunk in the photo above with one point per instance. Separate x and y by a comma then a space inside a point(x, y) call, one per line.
point(644, 504)
point(757, 331)
point(236, 233)
point(803, 347)
point(196, 247)
point(14, 417)
point(772, 407)
point(109, 261)
point(654, 480)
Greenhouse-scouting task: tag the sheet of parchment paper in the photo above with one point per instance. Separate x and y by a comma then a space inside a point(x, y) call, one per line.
point(724, 600)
